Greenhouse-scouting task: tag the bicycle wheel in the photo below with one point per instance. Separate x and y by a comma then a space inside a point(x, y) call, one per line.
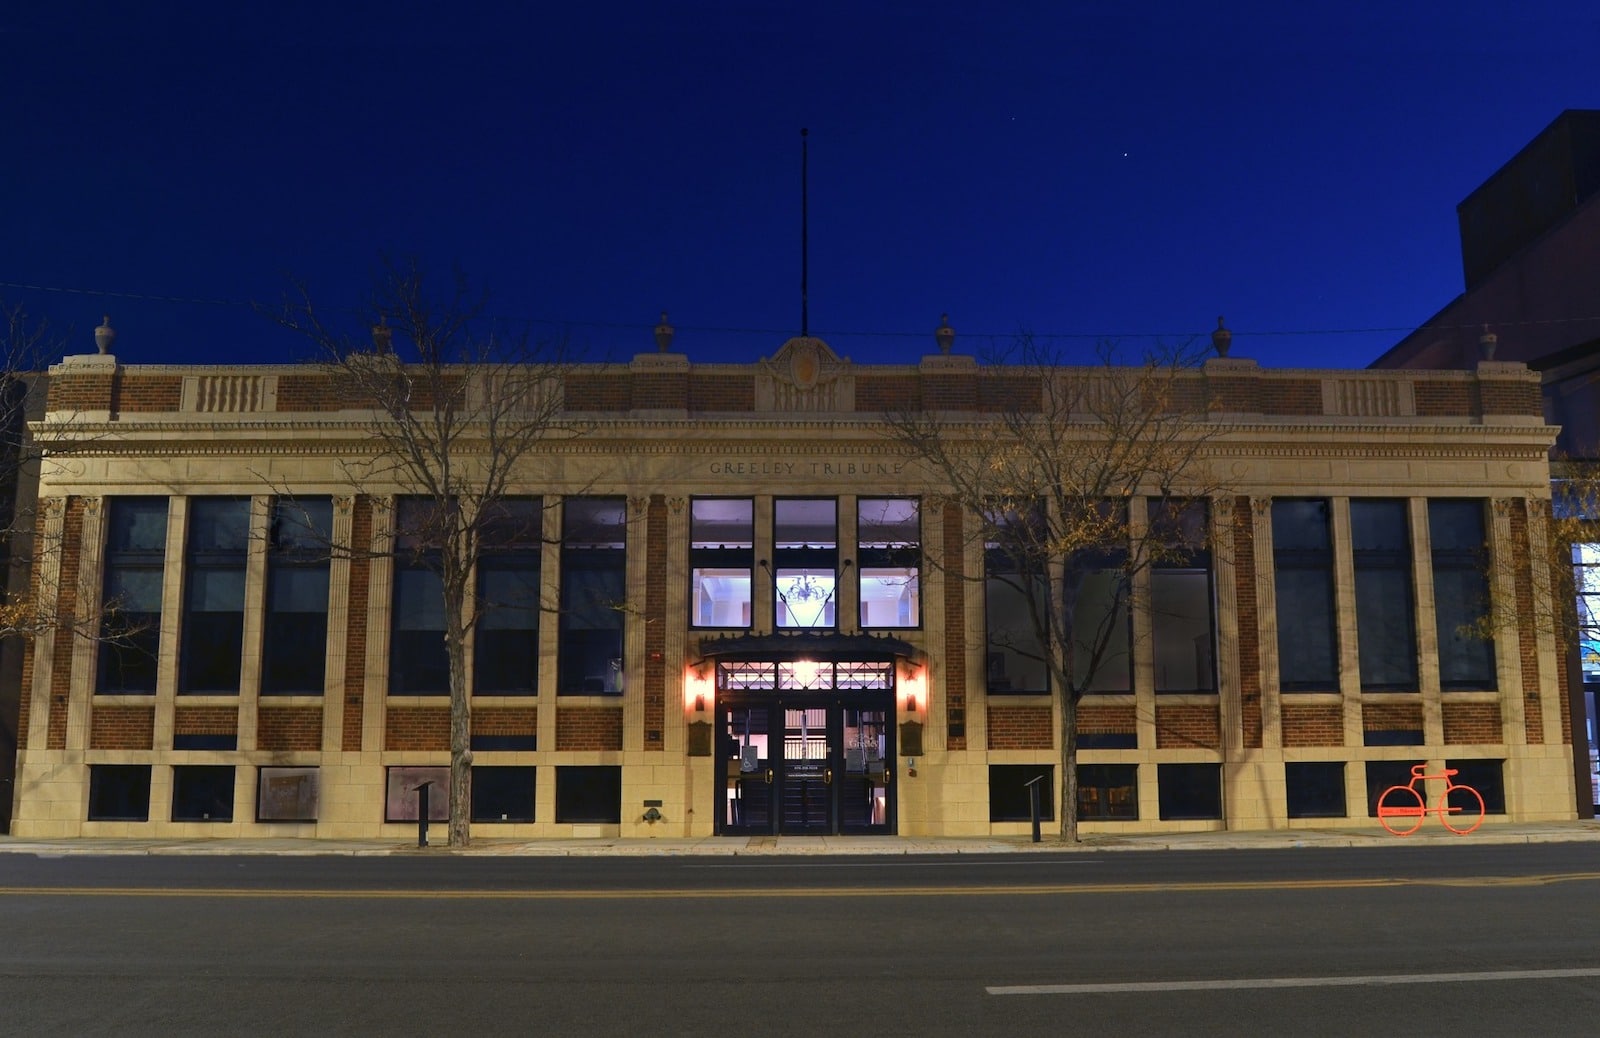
point(1456, 819)
point(1398, 804)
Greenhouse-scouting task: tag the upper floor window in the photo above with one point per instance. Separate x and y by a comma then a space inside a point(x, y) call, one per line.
point(1182, 627)
point(1096, 593)
point(1015, 606)
point(213, 599)
point(1461, 593)
point(295, 636)
point(136, 546)
point(419, 662)
point(722, 557)
point(506, 641)
point(593, 596)
point(1386, 638)
point(889, 560)
point(1302, 562)
point(805, 549)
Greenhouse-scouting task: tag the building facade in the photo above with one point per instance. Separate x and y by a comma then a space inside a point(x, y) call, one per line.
point(746, 611)
point(1530, 253)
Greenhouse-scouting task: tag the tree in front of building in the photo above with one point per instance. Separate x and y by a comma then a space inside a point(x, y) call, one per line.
point(1074, 482)
point(458, 405)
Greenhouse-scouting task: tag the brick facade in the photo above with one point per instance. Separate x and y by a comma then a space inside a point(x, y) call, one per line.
point(122, 728)
point(588, 728)
point(1018, 727)
point(1313, 724)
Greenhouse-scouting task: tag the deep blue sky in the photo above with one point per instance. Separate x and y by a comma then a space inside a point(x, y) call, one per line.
point(1075, 169)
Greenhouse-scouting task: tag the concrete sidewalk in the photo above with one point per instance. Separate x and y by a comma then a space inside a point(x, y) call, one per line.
point(774, 846)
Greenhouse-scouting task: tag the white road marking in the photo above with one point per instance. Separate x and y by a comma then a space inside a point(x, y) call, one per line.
point(1376, 980)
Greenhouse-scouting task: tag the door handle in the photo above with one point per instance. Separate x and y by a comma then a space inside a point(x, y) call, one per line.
point(769, 776)
point(827, 776)
point(887, 775)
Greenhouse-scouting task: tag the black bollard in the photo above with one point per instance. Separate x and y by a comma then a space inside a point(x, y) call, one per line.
point(422, 815)
point(1033, 804)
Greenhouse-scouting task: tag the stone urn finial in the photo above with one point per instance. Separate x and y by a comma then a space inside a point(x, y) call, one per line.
point(105, 335)
point(1487, 343)
point(944, 335)
point(382, 335)
point(664, 333)
point(1221, 339)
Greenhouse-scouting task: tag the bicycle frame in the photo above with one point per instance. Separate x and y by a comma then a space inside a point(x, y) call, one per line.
point(1398, 804)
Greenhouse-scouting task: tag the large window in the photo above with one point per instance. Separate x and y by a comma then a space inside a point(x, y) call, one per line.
point(1314, 789)
point(593, 596)
point(1302, 562)
point(202, 793)
point(889, 559)
point(1461, 593)
point(136, 545)
point(1011, 792)
point(1385, 631)
point(1015, 606)
point(589, 794)
point(506, 643)
point(1189, 790)
point(214, 571)
point(1096, 592)
point(502, 794)
point(419, 664)
point(119, 792)
point(295, 639)
point(1108, 792)
point(1181, 625)
point(805, 550)
point(722, 532)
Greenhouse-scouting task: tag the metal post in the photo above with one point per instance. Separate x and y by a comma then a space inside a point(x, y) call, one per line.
point(422, 814)
point(1033, 804)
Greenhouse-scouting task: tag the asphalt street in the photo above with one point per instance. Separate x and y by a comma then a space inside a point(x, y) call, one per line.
point(1417, 939)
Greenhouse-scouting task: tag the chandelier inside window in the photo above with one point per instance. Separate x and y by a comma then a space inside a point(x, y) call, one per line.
point(805, 589)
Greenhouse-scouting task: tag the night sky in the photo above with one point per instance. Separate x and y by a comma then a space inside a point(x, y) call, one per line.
point(1073, 170)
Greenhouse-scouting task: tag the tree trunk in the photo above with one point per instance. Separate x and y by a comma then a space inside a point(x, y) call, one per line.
point(460, 736)
point(1069, 767)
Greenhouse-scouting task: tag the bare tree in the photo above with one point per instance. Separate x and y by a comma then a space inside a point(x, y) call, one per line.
point(1048, 476)
point(458, 405)
point(23, 343)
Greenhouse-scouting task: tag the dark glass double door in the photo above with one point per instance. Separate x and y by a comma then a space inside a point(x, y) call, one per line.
point(807, 765)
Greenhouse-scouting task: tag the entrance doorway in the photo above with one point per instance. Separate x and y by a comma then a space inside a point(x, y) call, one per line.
point(806, 761)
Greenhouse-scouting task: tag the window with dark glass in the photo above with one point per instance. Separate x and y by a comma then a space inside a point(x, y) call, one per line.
point(1381, 774)
point(1010, 798)
point(1385, 630)
point(506, 641)
point(202, 793)
point(119, 792)
point(589, 794)
point(1487, 777)
point(722, 556)
point(889, 561)
point(1096, 593)
point(1183, 632)
point(502, 794)
point(1302, 562)
point(1461, 593)
point(213, 595)
point(805, 556)
point(593, 596)
point(295, 635)
point(1015, 606)
point(1315, 789)
point(419, 663)
point(1108, 792)
point(136, 547)
point(1189, 791)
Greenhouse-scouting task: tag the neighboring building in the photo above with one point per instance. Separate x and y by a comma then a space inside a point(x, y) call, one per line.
point(804, 646)
point(1530, 250)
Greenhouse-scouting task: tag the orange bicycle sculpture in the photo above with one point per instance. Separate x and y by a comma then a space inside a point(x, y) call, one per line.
point(1401, 809)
